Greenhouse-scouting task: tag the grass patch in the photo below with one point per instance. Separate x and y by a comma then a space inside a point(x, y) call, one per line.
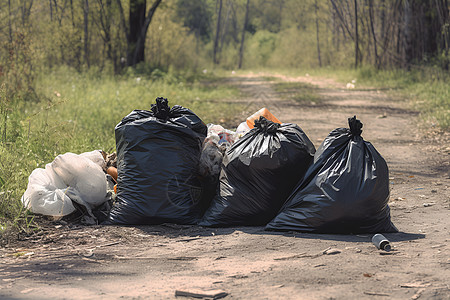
point(78, 113)
point(298, 91)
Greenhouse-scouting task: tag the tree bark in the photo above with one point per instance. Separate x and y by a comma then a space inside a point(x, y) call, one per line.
point(225, 26)
point(138, 30)
point(407, 34)
point(316, 8)
point(71, 12)
point(372, 28)
point(26, 11)
point(51, 10)
point(343, 22)
point(9, 23)
point(136, 23)
point(105, 15)
point(443, 15)
point(216, 39)
point(383, 19)
point(356, 35)
point(241, 49)
point(86, 31)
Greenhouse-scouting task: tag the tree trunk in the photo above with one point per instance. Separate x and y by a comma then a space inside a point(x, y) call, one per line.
point(356, 35)
point(344, 24)
point(105, 15)
point(86, 31)
point(9, 23)
point(383, 19)
point(51, 10)
point(407, 34)
point(241, 49)
point(136, 22)
point(108, 29)
point(71, 12)
point(375, 49)
point(443, 15)
point(216, 39)
point(225, 26)
point(26, 11)
point(138, 30)
point(316, 8)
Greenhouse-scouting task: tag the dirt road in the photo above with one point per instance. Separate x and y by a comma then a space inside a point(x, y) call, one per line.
point(152, 262)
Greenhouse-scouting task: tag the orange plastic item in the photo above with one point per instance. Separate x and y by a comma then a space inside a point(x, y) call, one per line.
point(113, 172)
point(262, 112)
point(115, 189)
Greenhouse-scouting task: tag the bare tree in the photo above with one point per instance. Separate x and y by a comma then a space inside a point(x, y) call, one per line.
point(356, 35)
point(26, 10)
point(86, 31)
point(216, 38)
point(407, 34)
point(9, 22)
point(372, 28)
point(316, 8)
point(241, 49)
point(137, 29)
point(225, 25)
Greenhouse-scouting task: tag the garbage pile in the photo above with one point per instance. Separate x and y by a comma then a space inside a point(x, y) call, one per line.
point(158, 153)
point(258, 173)
point(173, 168)
point(69, 183)
point(345, 190)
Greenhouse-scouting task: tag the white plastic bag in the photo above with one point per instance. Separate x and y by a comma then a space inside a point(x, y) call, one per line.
point(242, 129)
point(96, 156)
point(46, 194)
point(70, 177)
point(83, 175)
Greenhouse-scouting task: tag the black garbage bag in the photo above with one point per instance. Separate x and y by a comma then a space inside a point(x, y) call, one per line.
point(346, 190)
point(157, 160)
point(258, 173)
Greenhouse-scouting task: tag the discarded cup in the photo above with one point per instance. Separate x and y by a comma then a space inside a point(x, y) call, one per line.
point(381, 242)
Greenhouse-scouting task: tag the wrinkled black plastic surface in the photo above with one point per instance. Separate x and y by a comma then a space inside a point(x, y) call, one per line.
point(346, 190)
point(258, 173)
point(157, 159)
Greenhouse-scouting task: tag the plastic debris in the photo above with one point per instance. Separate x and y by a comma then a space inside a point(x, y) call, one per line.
point(158, 154)
point(263, 112)
point(258, 173)
point(381, 242)
point(346, 190)
point(197, 293)
point(242, 129)
point(69, 178)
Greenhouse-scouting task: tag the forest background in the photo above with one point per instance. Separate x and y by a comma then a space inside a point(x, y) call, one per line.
point(71, 69)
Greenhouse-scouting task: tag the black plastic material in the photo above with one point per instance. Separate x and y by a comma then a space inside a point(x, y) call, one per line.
point(346, 190)
point(157, 159)
point(258, 173)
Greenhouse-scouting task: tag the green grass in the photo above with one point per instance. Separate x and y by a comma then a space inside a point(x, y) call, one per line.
point(78, 112)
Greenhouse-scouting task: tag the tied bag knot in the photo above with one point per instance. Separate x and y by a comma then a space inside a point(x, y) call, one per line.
point(355, 126)
point(266, 126)
point(161, 109)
